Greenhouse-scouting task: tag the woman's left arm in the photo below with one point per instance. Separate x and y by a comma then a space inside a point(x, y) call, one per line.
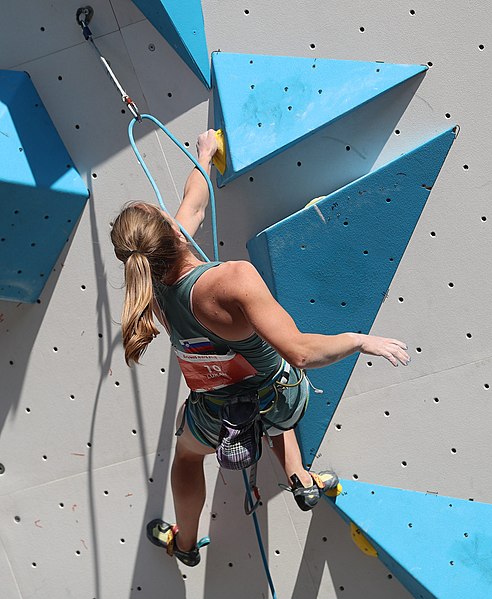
point(196, 195)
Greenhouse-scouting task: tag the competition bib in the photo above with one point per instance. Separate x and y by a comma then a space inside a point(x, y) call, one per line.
point(209, 371)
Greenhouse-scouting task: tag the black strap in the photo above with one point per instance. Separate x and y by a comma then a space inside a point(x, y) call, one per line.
point(180, 430)
point(250, 507)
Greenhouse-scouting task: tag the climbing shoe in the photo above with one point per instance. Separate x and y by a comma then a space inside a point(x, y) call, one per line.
point(162, 534)
point(307, 497)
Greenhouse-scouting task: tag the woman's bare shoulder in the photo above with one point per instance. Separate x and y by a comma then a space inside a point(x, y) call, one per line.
point(228, 280)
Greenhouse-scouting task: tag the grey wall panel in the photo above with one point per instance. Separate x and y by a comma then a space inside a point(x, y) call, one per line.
point(55, 403)
point(30, 30)
point(9, 584)
point(398, 434)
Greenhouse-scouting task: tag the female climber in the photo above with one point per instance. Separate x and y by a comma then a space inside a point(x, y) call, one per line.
point(230, 337)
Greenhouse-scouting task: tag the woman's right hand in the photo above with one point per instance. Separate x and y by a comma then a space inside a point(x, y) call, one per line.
point(207, 145)
point(391, 349)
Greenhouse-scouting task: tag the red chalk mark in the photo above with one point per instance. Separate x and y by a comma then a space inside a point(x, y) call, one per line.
point(83, 543)
point(110, 372)
point(129, 495)
point(1, 318)
point(74, 507)
point(222, 477)
point(36, 523)
point(79, 454)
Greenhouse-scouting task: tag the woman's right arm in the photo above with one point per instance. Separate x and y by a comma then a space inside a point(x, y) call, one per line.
point(191, 212)
point(247, 290)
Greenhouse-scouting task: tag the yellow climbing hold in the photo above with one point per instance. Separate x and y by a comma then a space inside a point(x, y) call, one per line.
point(314, 201)
point(219, 159)
point(334, 492)
point(362, 541)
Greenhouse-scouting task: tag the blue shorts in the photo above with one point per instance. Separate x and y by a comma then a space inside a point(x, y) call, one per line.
point(282, 404)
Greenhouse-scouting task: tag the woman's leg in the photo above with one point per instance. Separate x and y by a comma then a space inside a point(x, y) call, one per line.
point(286, 448)
point(188, 485)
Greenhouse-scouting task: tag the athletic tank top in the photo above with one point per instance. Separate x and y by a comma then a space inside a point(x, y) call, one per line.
point(209, 363)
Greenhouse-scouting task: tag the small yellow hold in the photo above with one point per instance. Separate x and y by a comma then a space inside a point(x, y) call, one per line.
point(362, 541)
point(314, 201)
point(334, 492)
point(219, 158)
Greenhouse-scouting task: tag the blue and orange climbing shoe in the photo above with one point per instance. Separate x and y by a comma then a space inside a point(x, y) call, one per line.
point(162, 534)
point(307, 497)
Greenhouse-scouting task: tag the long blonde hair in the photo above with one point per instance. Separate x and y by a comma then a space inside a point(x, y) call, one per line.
point(146, 242)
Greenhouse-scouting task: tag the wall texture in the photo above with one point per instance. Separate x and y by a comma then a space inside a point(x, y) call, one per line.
point(86, 443)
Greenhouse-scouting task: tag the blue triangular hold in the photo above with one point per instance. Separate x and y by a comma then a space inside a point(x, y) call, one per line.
point(265, 104)
point(41, 193)
point(436, 546)
point(180, 22)
point(330, 265)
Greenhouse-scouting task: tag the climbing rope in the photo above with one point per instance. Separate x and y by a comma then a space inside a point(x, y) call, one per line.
point(252, 505)
point(156, 189)
point(83, 16)
point(258, 536)
point(216, 257)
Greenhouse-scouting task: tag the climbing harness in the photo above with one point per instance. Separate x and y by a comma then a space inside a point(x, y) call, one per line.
point(166, 533)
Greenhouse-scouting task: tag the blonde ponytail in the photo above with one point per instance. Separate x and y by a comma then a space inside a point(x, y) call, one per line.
point(146, 242)
point(137, 321)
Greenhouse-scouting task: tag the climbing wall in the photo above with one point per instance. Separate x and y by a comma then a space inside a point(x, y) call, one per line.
point(86, 443)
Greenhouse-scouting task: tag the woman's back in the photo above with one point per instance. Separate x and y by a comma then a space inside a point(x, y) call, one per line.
point(216, 347)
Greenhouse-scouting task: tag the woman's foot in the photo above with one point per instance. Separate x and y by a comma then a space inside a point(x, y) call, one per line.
point(164, 535)
point(307, 497)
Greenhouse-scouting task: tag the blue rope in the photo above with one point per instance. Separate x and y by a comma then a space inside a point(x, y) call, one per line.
point(258, 535)
point(157, 192)
point(204, 256)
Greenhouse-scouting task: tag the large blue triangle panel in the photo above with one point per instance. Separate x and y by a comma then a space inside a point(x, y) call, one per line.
point(41, 194)
point(436, 546)
point(180, 22)
point(265, 104)
point(330, 265)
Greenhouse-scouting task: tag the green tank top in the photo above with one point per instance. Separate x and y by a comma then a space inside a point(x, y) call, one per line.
point(211, 364)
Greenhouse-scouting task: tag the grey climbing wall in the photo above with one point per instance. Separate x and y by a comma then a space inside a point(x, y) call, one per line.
point(86, 443)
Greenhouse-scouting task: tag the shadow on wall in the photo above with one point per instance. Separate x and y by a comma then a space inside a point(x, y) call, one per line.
point(104, 359)
point(88, 111)
point(320, 164)
point(19, 327)
point(329, 546)
point(158, 475)
point(154, 570)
